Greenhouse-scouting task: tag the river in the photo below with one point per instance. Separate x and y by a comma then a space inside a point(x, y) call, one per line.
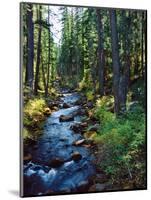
point(70, 176)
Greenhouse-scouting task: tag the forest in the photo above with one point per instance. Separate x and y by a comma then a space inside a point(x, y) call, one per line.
point(84, 99)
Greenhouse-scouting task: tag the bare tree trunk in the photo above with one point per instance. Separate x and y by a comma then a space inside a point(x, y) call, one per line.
point(30, 46)
point(136, 57)
point(136, 64)
point(43, 76)
point(101, 60)
point(82, 59)
point(48, 69)
point(125, 75)
point(26, 61)
point(38, 53)
point(142, 46)
point(145, 48)
point(115, 60)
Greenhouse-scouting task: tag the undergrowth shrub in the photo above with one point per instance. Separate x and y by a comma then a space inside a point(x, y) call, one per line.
point(33, 115)
point(122, 143)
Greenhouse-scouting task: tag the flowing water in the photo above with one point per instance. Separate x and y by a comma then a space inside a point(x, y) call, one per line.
point(57, 142)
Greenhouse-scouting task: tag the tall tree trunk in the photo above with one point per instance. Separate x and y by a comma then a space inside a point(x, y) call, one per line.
point(142, 46)
point(25, 50)
point(30, 47)
point(101, 60)
point(72, 44)
point(91, 61)
point(82, 55)
point(43, 76)
point(26, 60)
point(136, 64)
point(145, 59)
point(125, 75)
point(145, 48)
point(38, 53)
point(48, 68)
point(136, 52)
point(115, 59)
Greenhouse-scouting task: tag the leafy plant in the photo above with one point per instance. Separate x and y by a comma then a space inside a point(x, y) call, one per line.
point(122, 143)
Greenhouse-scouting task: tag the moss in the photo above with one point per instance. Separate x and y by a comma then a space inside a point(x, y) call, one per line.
point(33, 117)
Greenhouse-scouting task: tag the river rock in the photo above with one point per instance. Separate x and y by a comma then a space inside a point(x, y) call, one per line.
point(65, 105)
point(84, 124)
point(79, 142)
point(82, 111)
point(76, 156)
point(76, 127)
point(47, 111)
point(78, 102)
point(55, 108)
point(51, 105)
point(83, 186)
point(81, 101)
point(56, 162)
point(87, 145)
point(66, 118)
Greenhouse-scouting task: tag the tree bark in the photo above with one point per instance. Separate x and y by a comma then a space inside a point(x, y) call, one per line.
point(145, 48)
point(48, 68)
point(38, 53)
point(125, 75)
point(30, 47)
point(101, 60)
point(115, 59)
point(43, 76)
point(82, 55)
point(142, 46)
